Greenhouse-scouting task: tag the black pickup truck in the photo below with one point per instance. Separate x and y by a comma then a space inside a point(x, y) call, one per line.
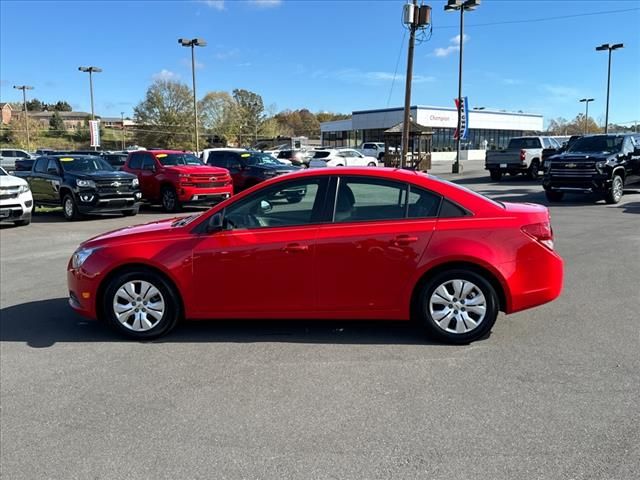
point(601, 164)
point(82, 184)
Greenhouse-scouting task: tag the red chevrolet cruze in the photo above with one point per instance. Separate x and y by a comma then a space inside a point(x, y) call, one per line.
point(358, 244)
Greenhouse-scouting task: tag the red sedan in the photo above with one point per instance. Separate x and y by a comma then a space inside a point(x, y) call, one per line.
point(360, 244)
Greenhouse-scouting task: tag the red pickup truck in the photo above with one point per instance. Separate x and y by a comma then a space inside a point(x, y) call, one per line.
point(174, 178)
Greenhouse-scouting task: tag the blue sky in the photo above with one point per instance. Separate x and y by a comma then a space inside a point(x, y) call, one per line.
point(325, 55)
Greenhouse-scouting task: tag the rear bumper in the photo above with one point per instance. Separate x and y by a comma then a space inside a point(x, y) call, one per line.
point(506, 167)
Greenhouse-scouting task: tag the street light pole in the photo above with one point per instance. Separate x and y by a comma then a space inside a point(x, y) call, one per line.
point(610, 48)
point(586, 114)
point(90, 71)
point(123, 133)
point(461, 5)
point(195, 42)
point(24, 89)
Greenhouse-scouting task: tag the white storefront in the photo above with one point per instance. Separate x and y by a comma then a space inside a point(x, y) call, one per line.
point(487, 128)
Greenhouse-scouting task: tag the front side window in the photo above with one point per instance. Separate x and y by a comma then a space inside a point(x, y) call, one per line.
point(148, 162)
point(41, 165)
point(136, 161)
point(364, 199)
point(288, 204)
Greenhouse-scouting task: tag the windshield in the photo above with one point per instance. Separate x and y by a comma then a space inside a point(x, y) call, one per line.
point(523, 143)
point(169, 159)
point(258, 158)
point(597, 144)
point(84, 164)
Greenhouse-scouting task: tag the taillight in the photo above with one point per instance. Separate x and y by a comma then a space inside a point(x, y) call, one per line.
point(523, 155)
point(540, 232)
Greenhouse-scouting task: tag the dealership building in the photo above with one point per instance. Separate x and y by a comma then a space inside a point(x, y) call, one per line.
point(488, 129)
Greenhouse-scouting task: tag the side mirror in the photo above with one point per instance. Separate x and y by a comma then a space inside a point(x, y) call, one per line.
point(265, 206)
point(215, 223)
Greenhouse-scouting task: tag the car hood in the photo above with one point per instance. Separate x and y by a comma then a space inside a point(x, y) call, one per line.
point(129, 233)
point(195, 169)
point(103, 175)
point(11, 181)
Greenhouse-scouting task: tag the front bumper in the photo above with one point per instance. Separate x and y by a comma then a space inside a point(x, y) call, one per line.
point(594, 184)
point(16, 207)
point(94, 202)
point(210, 196)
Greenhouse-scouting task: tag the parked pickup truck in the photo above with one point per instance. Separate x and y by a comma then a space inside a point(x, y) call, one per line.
point(372, 149)
point(602, 164)
point(82, 184)
point(522, 155)
point(174, 178)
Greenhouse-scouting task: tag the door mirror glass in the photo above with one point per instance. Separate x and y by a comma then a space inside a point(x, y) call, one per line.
point(265, 206)
point(215, 223)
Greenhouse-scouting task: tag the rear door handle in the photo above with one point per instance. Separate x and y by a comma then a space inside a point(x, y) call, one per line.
point(295, 248)
point(404, 240)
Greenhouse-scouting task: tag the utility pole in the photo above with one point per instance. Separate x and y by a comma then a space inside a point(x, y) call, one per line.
point(91, 71)
point(414, 18)
point(195, 42)
point(586, 114)
point(123, 132)
point(24, 89)
point(610, 48)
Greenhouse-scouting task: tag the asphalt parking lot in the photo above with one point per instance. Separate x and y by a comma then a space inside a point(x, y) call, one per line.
point(551, 393)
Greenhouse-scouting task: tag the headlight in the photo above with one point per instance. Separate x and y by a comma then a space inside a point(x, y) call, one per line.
point(23, 189)
point(135, 182)
point(80, 256)
point(86, 183)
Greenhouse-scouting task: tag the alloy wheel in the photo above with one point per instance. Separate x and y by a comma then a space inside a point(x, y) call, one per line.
point(138, 305)
point(68, 207)
point(617, 188)
point(458, 306)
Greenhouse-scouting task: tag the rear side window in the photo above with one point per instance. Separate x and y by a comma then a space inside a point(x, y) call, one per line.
point(321, 154)
point(41, 165)
point(135, 161)
point(451, 210)
point(365, 199)
point(422, 203)
point(216, 159)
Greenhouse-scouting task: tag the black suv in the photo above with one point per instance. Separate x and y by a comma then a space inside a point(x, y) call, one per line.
point(601, 164)
point(247, 168)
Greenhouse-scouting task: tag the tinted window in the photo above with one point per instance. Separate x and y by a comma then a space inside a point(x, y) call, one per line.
point(451, 210)
point(321, 154)
point(524, 143)
point(598, 144)
point(84, 164)
point(169, 159)
point(216, 159)
point(52, 167)
point(147, 162)
point(136, 161)
point(115, 160)
point(369, 145)
point(422, 203)
point(232, 160)
point(263, 159)
point(9, 153)
point(41, 165)
point(284, 205)
point(363, 199)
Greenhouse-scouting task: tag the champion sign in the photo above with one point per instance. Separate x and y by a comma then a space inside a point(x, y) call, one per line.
point(464, 114)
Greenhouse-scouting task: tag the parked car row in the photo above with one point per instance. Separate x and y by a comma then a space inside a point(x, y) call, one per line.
point(601, 163)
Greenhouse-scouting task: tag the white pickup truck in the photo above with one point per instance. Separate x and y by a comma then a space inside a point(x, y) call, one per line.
point(372, 149)
point(522, 155)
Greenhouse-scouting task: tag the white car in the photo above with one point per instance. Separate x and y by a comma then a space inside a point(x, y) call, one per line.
point(341, 157)
point(8, 157)
point(16, 202)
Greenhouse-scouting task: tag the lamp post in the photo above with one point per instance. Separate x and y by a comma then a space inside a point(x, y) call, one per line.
point(194, 42)
point(586, 113)
point(123, 132)
point(91, 71)
point(24, 89)
point(610, 48)
point(461, 5)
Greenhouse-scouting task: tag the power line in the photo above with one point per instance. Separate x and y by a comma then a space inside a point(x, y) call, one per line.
point(544, 19)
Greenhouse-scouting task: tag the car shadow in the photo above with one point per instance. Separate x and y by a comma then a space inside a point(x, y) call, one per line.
point(633, 207)
point(44, 323)
point(512, 180)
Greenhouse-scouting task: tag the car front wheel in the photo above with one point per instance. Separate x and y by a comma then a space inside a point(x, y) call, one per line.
point(170, 201)
point(457, 306)
point(614, 195)
point(69, 208)
point(141, 305)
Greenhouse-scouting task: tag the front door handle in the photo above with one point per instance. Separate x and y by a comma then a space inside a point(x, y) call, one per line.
point(404, 240)
point(295, 248)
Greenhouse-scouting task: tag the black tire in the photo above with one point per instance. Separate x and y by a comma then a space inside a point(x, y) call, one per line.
point(22, 223)
point(172, 306)
point(614, 195)
point(534, 170)
point(130, 213)
point(554, 196)
point(422, 310)
point(339, 165)
point(169, 200)
point(372, 164)
point(294, 198)
point(70, 208)
point(496, 175)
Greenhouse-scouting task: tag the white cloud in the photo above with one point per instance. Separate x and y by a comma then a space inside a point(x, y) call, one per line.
point(265, 3)
point(216, 4)
point(352, 75)
point(454, 47)
point(165, 74)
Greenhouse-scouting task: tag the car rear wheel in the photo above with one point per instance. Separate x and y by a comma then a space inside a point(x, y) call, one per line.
point(534, 170)
point(553, 196)
point(169, 200)
point(496, 175)
point(69, 208)
point(614, 195)
point(141, 304)
point(457, 306)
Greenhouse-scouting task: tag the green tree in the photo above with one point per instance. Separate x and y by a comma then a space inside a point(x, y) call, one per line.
point(219, 116)
point(35, 105)
point(17, 134)
point(56, 124)
point(59, 106)
point(251, 111)
point(165, 117)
